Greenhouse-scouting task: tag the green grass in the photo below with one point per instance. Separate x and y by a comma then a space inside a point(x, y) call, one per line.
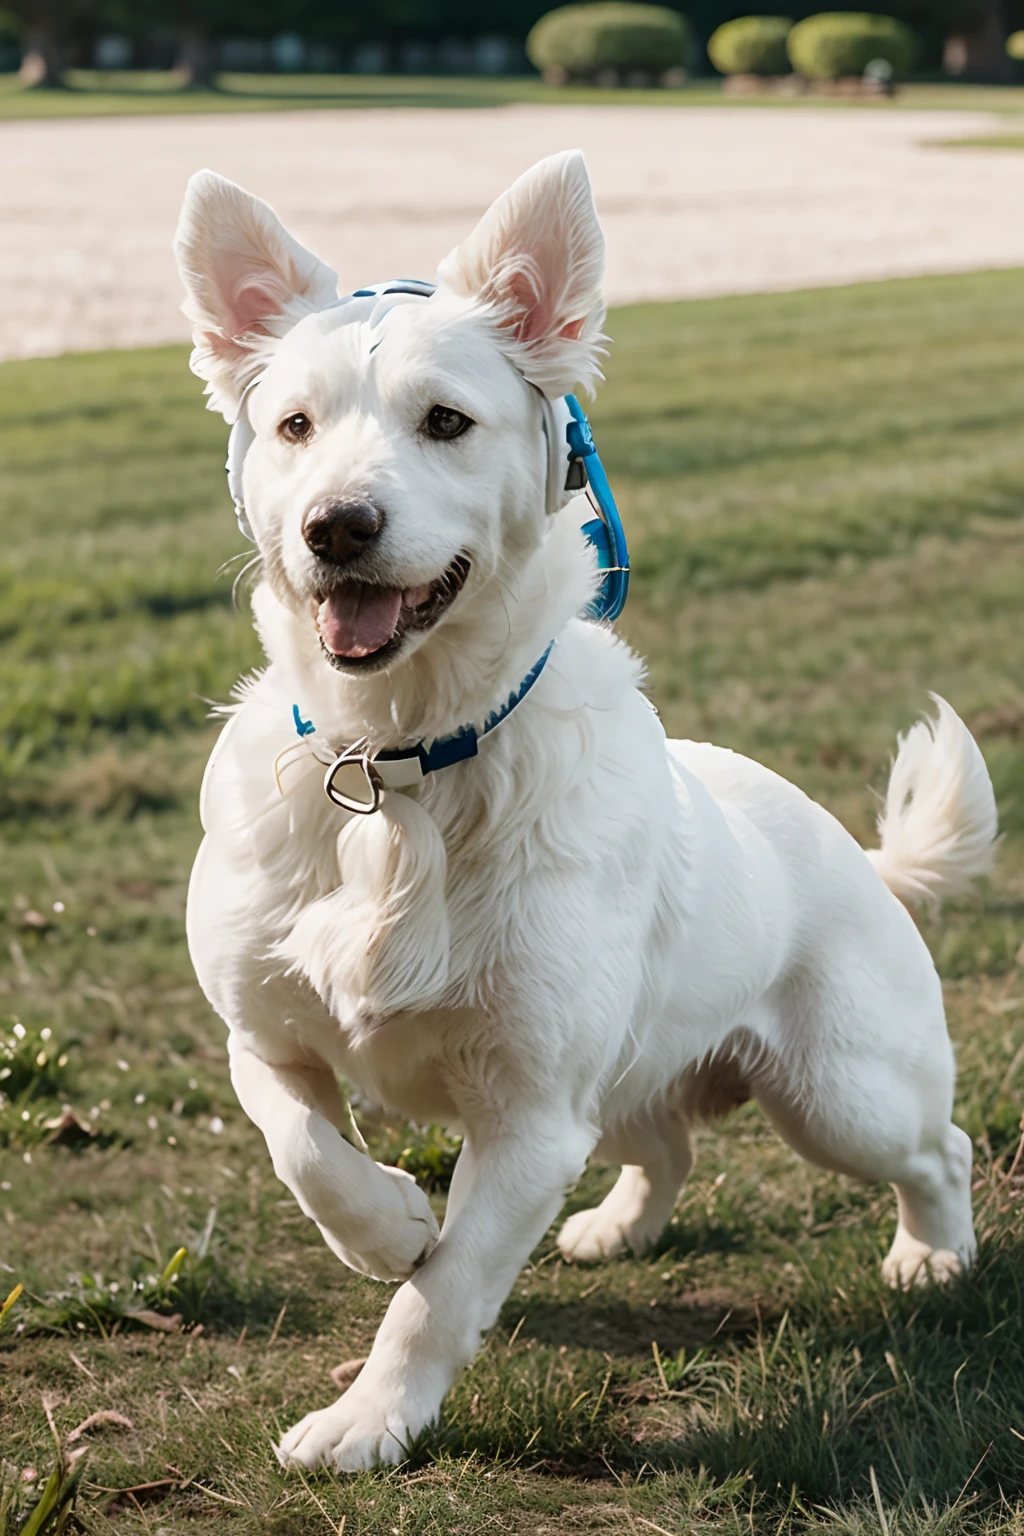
point(990, 141)
point(94, 93)
point(824, 493)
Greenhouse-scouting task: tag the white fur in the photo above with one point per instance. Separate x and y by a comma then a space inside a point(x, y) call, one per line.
point(586, 936)
point(938, 825)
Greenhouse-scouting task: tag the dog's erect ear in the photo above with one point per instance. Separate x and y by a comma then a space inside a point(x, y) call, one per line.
point(246, 280)
point(537, 255)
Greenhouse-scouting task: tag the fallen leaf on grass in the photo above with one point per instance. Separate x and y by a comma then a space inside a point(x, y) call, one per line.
point(345, 1374)
point(68, 1131)
point(104, 1416)
point(156, 1320)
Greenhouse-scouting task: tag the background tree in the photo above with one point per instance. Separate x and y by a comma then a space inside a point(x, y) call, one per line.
point(198, 25)
point(51, 29)
point(968, 35)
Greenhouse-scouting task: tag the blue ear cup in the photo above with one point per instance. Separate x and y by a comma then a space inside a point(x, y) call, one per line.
point(605, 531)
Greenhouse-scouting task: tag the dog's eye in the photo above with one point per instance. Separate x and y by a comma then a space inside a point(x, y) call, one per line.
point(296, 429)
point(445, 422)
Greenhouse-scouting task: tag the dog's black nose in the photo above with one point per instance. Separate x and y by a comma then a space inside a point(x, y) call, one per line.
point(337, 530)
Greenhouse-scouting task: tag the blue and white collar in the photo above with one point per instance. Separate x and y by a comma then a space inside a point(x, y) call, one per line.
point(355, 778)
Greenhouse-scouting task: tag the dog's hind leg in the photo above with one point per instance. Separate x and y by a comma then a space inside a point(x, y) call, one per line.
point(656, 1151)
point(884, 1116)
point(935, 1233)
point(657, 1154)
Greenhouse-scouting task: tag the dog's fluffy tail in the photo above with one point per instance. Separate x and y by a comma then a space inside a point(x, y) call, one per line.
point(938, 824)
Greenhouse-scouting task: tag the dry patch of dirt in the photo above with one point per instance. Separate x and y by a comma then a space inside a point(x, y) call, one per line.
point(695, 201)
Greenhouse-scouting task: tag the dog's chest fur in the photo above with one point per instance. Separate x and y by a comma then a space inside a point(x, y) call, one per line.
point(429, 940)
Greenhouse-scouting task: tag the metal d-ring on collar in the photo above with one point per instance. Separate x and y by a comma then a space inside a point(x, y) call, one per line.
point(356, 780)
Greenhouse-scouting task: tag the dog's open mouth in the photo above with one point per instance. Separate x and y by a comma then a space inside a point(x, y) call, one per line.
point(362, 624)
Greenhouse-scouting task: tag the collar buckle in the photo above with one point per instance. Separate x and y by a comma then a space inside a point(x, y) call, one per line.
point(355, 781)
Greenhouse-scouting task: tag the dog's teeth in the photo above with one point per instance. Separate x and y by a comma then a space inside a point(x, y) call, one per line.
point(415, 597)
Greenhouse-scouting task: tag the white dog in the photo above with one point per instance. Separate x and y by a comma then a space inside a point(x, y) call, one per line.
point(578, 939)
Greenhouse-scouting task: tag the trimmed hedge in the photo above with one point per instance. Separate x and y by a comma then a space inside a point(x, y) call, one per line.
point(751, 45)
point(838, 44)
point(582, 40)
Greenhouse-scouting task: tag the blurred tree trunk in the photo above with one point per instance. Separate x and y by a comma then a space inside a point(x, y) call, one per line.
point(195, 56)
point(982, 51)
point(43, 61)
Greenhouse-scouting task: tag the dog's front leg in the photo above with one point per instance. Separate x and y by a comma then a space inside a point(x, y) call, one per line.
point(374, 1217)
point(506, 1191)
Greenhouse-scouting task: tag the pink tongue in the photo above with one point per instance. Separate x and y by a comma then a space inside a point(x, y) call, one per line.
point(356, 620)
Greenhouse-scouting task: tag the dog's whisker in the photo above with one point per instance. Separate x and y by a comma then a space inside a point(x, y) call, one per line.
point(243, 554)
point(241, 575)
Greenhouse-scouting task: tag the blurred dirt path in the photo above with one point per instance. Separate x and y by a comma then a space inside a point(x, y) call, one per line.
point(695, 201)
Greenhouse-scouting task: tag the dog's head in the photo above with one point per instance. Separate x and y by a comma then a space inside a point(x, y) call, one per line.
point(397, 463)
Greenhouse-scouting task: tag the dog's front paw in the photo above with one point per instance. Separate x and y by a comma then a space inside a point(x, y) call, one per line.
point(399, 1235)
point(358, 1432)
